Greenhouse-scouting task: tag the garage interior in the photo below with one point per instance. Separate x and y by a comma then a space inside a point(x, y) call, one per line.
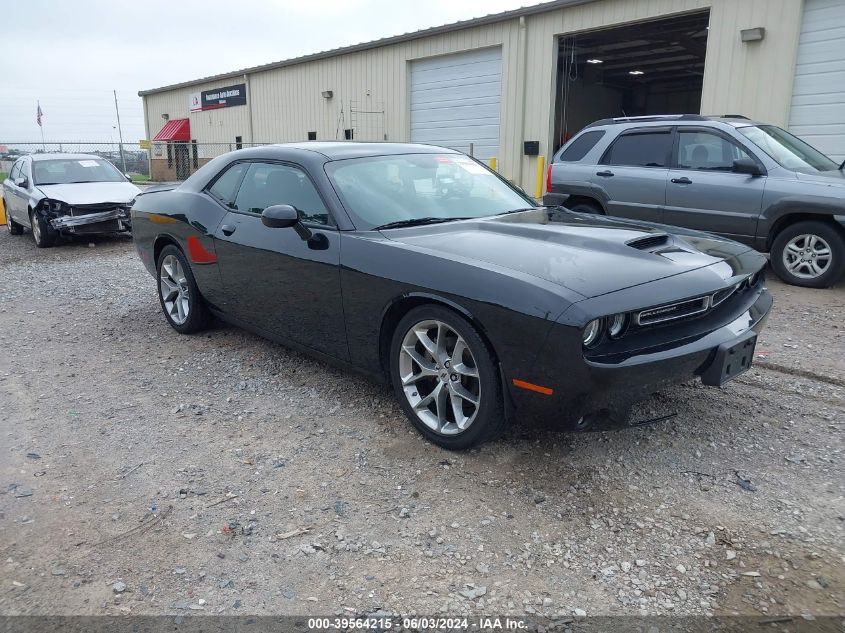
point(654, 67)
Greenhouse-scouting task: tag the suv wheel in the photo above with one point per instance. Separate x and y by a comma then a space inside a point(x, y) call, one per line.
point(809, 254)
point(586, 206)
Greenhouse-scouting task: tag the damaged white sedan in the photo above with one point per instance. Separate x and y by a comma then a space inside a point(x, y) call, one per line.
point(67, 194)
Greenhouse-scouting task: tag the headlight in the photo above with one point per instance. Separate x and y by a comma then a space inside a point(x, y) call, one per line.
point(616, 327)
point(753, 279)
point(591, 332)
point(54, 205)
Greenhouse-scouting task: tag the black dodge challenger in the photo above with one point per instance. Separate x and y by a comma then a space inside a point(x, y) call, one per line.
point(421, 267)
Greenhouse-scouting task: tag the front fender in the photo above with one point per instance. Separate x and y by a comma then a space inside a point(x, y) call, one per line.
point(774, 215)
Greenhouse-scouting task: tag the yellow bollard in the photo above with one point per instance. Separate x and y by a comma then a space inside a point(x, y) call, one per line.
point(538, 188)
point(493, 163)
point(2, 212)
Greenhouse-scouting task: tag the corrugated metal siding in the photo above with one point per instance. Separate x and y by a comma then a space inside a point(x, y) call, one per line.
point(211, 126)
point(818, 95)
point(753, 79)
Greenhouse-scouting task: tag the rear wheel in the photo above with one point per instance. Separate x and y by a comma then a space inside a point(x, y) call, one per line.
point(181, 302)
point(42, 233)
point(446, 379)
point(14, 227)
point(809, 254)
point(586, 206)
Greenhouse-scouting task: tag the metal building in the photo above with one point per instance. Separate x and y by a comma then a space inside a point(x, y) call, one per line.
point(515, 85)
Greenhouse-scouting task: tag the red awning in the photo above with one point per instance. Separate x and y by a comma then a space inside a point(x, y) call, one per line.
point(175, 130)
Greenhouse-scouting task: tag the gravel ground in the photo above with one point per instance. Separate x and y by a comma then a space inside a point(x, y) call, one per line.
point(150, 473)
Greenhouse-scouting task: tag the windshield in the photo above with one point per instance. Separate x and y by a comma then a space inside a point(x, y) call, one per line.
point(381, 190)
point(63, 171)
point(788, 150)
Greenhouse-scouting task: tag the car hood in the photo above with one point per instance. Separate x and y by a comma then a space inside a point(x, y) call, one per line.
point(588, 254)
point(834, 178)
point(91, 192)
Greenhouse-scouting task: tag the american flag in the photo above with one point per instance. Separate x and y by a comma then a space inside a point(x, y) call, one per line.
point(38, 115)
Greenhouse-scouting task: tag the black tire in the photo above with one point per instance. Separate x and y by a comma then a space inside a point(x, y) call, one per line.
point(43, 234)
point(489, 419)
point(827, 233)
point(586, 206)
point(198, 316)
point(14, 227)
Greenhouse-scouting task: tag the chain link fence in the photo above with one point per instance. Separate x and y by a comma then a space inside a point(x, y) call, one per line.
point(163, 162)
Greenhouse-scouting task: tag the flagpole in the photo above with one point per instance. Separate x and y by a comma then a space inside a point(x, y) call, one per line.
point(119, 132)
point(41, 125)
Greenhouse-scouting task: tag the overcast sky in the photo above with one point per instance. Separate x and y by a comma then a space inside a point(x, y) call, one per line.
point(71, 55)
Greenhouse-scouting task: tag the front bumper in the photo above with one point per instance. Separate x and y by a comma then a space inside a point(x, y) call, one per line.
point(114, 220)
point(607, 386)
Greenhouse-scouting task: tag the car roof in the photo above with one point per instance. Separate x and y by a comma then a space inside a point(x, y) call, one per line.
point(40, 157)
point(352, 149)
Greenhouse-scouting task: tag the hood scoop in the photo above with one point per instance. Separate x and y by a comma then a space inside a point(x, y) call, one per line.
point(649, 242)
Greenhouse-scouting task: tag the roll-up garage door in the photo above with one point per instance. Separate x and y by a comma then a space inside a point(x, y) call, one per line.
point(456, 100)
point(818, 95)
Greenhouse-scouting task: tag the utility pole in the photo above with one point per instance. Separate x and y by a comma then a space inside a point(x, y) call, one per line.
point(119, 132)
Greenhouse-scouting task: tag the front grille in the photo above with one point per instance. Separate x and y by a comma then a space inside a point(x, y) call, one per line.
point(693, 307)
point(673, 311)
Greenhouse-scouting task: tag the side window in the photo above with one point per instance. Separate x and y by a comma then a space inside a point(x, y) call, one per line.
point(25, 171)
point(226, 186)
point(707, 151)
point(640, 149)
point(16, 171)
point(267, 184)
point(579, 148)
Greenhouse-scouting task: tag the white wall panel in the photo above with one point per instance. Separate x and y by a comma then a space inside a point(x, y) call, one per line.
point(818, 94)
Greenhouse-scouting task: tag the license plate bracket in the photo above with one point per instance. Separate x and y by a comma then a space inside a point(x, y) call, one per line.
point(731, 360)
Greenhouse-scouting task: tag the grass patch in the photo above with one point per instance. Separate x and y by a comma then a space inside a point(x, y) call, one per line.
point(139, 178)
point(3, 175)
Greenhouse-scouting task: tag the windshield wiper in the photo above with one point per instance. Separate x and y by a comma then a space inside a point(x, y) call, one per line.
point(842, 166)
point(415, 222)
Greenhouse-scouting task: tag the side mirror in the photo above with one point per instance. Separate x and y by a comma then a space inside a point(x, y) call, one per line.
point(746, 166)
point(21, 182)
point(128, 177)
point(280, 216)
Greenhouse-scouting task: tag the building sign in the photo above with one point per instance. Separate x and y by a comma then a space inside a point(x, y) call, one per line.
point(218, 98)
point(144, 143)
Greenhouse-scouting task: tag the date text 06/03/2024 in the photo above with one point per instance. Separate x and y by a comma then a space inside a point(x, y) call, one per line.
point(417, 623)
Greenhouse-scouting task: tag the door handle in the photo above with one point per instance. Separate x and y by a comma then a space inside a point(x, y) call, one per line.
point(605, 174)
point(682, 181)
point(228, 229)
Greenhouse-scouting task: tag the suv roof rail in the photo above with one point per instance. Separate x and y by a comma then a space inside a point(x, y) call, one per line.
point(650, 117)
point(733, 116)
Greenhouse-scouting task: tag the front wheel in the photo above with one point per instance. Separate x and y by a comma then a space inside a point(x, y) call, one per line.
point(809, 254)
point(180, 299)
point(42, 233)
point(446, 378)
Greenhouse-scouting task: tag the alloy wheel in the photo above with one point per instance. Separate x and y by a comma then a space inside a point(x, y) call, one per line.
point(174, 289)
point(439, 377)
point(807, 256)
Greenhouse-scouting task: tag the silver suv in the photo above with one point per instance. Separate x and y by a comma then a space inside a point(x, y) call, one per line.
point(751, 182)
